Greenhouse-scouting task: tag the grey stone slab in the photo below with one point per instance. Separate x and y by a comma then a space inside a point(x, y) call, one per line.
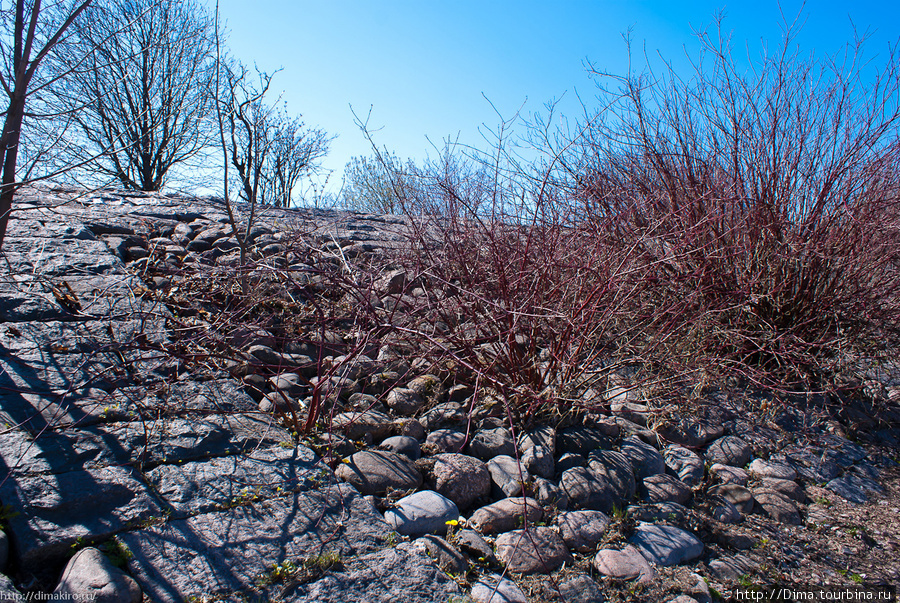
point(55, 357)
point(20, 303)
point(45, 225)
point(142, 443)
point(209, 485)
point(225, 552)
point(59, 257)
point(219, 396)
point(391, 575)
point(29, 298)
point(854, 488)
point(50, 374)
point(35, 413)
point(53, 339)
point(54, 511)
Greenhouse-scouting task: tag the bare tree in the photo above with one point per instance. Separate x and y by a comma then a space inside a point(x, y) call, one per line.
point(376, 184)
point(292, 152)
point(29, 32)
point(146, 82)
point(246, 127)
point(269, 150)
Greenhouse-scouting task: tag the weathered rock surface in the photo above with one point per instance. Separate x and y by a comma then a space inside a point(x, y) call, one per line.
point(90, 576)
point(684, 464)
point(853, 488)
point(497, 589)
point(373, 472)
point(645, 459)
point(588, 489)
point(665, 488)
point(448, 558)
point(625, 564)
point(535, 550)
point(666, 545)
point(54, 511)
point(425, 512)
point(729, 450)
point(397, 574)
point(217, 483)
point(463, 479)
point(216, 552)
point(582, 531)
point(506, 514)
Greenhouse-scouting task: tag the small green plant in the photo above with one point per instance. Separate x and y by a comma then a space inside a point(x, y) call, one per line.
point(323, 561)
point(117, 553)
point(152, 520)
point(279, 573)
point(7, 512)
point(451, 528)
point(822, 501)
point(852, 576)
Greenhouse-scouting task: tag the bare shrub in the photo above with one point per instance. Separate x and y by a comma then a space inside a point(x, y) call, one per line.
point(506, 289)
point(764, 203)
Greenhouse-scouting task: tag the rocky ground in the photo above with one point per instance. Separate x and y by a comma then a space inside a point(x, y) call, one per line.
point(153, 416)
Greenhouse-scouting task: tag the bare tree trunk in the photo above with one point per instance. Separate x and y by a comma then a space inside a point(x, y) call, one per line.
point(16, 86)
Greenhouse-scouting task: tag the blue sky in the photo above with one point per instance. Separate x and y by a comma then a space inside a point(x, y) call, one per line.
point(425, 67)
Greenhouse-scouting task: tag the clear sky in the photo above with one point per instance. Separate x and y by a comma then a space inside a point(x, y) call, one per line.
point(425, 67)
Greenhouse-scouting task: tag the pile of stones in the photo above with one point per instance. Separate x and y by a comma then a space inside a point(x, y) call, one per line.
point(194, 486)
